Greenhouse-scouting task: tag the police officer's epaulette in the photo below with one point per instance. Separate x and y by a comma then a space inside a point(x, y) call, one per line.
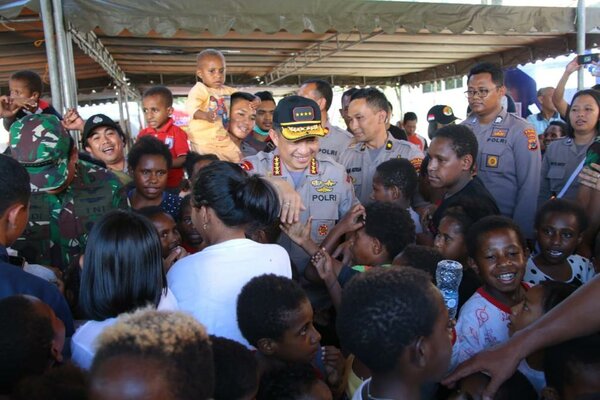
point(314, 166)
point(276, 170)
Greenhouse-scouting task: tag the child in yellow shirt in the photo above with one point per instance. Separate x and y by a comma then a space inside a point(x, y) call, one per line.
point(207, 104)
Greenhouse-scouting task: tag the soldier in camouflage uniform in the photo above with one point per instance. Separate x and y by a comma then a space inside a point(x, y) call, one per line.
point(68, 194)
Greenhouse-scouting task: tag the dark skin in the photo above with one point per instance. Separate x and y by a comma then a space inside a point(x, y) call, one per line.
point(558, 237)
point(500, 262)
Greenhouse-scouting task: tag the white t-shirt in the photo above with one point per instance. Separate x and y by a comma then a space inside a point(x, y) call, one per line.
point(83, 343)
point(582, 270)
point(207, 284)
point(482, 323)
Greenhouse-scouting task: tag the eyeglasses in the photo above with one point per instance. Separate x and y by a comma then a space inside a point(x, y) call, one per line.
point(481, 93)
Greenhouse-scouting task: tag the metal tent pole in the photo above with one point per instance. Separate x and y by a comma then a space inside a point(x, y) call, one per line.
point(580, 38)
point(55, 88)
point(63, 54)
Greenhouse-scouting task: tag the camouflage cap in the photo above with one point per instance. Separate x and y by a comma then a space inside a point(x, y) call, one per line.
point(42, 146)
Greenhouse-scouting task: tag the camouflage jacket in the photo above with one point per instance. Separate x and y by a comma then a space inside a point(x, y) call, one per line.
point(59, 223)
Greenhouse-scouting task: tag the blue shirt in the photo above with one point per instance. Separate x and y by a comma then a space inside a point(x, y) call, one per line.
point(14, 281)
point(540, 123)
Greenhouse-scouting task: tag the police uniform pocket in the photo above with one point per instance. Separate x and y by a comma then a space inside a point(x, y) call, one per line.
point(324, 218)
point(556, 172)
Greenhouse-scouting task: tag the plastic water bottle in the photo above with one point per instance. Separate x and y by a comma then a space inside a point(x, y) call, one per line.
point(448, 276)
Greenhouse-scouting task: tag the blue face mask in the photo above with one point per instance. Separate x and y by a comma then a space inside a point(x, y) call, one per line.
point(260, 131)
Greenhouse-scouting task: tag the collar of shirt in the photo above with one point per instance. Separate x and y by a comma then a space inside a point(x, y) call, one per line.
point(164, 128)
point(311, 170)
point(540, 116)
point(497, 120)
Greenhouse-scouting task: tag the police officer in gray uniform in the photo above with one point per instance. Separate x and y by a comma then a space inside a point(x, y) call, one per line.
point(336, 139)
point(323, 184)
point(561, 159)
point(368, 111)
point(509, 158)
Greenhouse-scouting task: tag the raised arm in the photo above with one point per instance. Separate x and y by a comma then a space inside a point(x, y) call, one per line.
point(558, 98)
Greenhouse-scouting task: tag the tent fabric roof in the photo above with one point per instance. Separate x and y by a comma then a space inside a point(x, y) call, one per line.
point(166, 17)
point(363, 42)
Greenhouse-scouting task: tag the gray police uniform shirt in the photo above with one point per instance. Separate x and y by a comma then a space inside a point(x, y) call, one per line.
point(509, 164)
point(361, 167)
point(325, 190)
point(335, 142)
point(560, 160)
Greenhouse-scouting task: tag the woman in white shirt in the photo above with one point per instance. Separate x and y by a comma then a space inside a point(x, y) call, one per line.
point(225, 201)
point(122, 271)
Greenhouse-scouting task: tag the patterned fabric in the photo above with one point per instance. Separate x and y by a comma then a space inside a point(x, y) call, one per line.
point(593, 153)
point(59, 223)
point(582, 270)
point(42, 146)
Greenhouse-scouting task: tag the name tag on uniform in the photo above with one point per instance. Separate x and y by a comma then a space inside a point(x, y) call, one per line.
point(499, 133)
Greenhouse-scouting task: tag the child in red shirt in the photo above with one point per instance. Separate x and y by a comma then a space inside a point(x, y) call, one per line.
point(157, 105)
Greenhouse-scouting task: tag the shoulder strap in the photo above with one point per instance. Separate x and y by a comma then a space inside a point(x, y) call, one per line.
point(571, 179)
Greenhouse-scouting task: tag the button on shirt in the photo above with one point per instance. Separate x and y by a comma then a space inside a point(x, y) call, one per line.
point(509, 164)
point(325, 190)
point(361, 166)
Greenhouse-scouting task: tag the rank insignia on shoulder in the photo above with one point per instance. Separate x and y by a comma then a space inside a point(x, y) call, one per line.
point(247, 166)
point(314, 169)
point(491, 160)
point(532, 140)
point(276, 166)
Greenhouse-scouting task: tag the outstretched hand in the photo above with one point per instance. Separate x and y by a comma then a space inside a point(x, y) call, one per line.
point(499, 363)
point(352, 220)
point(290, 201)
point(572, 66)
point(72, 120)
point(324, 266)
point(590, 176)
point(299, 232)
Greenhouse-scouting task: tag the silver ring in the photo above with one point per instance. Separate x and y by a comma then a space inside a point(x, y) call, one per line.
point(286, 203)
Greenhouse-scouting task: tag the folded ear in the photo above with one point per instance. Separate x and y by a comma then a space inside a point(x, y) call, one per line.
point(266, 346)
